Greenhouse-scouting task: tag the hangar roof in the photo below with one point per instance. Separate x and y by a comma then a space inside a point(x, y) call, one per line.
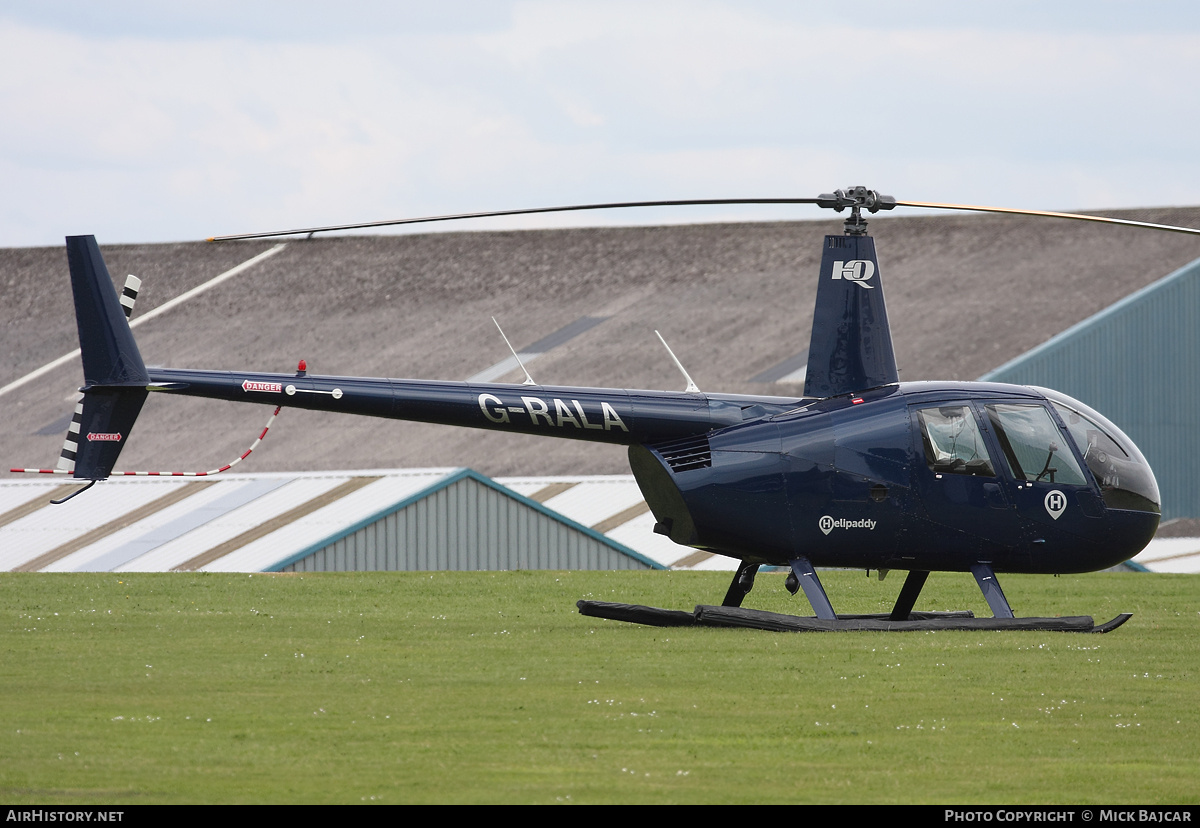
point(1180, 555)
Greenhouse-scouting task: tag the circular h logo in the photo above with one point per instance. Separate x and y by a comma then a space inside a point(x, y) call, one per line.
point(1056, 503)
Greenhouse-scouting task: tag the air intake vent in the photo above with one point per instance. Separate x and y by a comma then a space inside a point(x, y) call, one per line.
point(687, 454)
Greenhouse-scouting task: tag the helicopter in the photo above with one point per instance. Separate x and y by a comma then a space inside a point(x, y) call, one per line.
point(862, 471)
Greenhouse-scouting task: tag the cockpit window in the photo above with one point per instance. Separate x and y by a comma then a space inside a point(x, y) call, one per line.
point(1033, 446)
point(1092, 440)
point(953, 442)
point(1125, 479)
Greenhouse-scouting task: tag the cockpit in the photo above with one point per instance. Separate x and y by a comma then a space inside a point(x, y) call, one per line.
point(1035, 448)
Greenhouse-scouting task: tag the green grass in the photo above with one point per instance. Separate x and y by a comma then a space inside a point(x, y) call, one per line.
point(490, 687)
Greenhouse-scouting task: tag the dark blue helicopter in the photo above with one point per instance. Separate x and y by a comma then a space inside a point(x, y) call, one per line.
point(862, 472)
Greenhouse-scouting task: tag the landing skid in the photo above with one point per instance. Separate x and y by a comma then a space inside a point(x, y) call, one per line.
point(902, 618)
point(709, 616)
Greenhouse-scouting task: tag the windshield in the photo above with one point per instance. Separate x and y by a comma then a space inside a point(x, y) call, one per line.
point(1125, 478)
point(1033, 446)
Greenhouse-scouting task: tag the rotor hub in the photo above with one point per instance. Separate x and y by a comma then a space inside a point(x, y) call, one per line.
point(856, 198)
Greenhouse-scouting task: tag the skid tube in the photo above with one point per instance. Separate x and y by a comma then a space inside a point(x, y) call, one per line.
point(710, 616)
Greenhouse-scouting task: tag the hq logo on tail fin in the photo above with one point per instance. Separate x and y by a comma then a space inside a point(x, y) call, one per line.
point(858, 271)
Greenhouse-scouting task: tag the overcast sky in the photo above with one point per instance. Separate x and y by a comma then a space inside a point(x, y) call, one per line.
point(150, 121)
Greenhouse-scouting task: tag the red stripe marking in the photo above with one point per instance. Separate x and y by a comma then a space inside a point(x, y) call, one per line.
point(227, 466)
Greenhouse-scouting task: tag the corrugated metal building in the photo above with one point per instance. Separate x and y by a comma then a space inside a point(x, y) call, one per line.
point(1138, 363)
point(465, 522)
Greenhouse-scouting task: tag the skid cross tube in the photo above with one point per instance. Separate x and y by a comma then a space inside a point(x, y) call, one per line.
point(991, 590)
point(739, 588)
point(908, 595)
point(813, 591)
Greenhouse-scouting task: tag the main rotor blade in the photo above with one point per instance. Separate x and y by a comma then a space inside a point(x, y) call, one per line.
point(1047, 214)
point(524, 212)
point(821, 201)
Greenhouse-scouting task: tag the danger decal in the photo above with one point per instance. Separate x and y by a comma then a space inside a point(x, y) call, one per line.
point(268, 387)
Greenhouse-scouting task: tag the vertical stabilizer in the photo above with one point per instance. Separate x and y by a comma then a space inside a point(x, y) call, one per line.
point(115, 377)
point(110, 356)
point(851, 347)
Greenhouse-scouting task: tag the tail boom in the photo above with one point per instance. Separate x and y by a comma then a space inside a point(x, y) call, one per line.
point(605, 415)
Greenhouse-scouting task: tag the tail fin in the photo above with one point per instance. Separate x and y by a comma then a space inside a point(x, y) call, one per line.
point(851, 346)
point(115, 377)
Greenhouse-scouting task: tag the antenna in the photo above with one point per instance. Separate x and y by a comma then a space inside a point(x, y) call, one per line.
point(528, 379)
point(691, 385)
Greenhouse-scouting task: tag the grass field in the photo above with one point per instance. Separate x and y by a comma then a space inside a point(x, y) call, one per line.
point(491, 688)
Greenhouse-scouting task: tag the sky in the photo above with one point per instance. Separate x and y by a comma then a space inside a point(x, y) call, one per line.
point(150, 122)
